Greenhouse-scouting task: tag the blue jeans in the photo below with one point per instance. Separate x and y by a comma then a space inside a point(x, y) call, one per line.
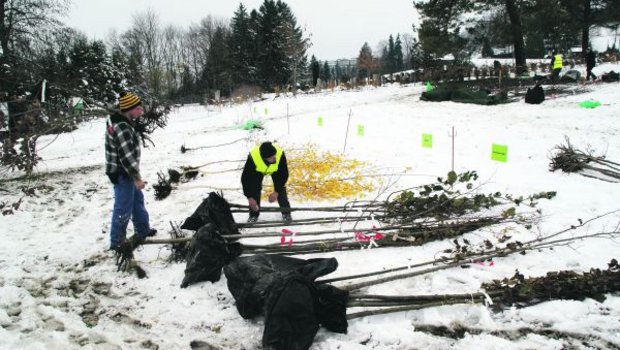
point(128, 204)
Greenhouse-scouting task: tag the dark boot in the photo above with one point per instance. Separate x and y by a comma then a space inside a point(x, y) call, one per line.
point(287, 218)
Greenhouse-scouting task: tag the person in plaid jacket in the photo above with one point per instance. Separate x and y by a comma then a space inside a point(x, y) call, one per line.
point(122, 153)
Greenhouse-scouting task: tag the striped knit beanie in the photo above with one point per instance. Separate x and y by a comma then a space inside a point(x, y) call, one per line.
point(128, 101)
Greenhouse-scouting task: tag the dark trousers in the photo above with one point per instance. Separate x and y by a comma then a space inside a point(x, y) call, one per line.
point(282, 201)
point(590, 74)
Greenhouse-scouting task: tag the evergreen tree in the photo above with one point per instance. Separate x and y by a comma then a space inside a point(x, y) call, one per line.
point(294, 46)
point(254, 45)
point(325, 72)
point(550, 21)
point(25, 26)
point(280, 44)
point(241, 48)
point(217, 70)
point(337, 72)
point(584, 14)
point(187, 82)
point(391, 55)
point(534, 45)
point(419, 58)
point(447, 24)
point(384, 61)
point(398, 55)
point(273, 68)
point(315, 68)
point(92, 72)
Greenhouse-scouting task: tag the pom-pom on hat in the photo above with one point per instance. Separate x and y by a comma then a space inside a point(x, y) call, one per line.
point(267, 150)
point(128, 101)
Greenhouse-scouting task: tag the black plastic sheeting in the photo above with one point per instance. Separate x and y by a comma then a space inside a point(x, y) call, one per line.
point(213, 209)
point(280, 288)
point(535, 95)
point(462, 95)
point(610, 77)
point(208, 253)
point(283, 290)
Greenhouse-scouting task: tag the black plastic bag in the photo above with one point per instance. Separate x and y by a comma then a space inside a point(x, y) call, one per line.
point(208, 253)
point(213, 209)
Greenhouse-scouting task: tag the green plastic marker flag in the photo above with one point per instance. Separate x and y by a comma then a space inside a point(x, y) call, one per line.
point(360, 130)
point(499, 153)
point(427, 140)
point(429, 87)
point(589, 104)
point(320, 121)
point(266, 111)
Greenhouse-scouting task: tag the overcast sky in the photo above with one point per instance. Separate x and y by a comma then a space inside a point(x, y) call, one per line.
point(339, 28)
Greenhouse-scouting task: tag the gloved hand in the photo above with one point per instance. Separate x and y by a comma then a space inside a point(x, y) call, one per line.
point(252, 203)
point(273, 197)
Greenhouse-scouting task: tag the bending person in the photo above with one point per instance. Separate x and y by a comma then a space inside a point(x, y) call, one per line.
point(266, 159)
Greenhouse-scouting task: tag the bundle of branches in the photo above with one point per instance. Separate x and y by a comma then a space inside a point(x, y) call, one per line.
point(570, 160)
point(465, 253)
point(571, 340)
point(163, 187)
point(438, 211)
point(179, 250)
point(443, 200)
point(155, 116)
point(441, 210)
point(287, 242)
point(518, 291)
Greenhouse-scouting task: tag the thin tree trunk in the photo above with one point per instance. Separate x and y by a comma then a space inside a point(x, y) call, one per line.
point(585, 30)
point(4, 42)
point(4, 30)
point(517, 35)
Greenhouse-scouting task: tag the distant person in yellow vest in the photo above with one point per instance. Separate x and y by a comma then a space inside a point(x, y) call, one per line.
point(266, 159)
point(556, 66)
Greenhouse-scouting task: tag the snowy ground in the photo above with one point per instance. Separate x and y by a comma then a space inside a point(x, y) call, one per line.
point(59, 289)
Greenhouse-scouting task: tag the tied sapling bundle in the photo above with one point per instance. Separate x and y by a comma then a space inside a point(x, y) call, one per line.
point(572, 160)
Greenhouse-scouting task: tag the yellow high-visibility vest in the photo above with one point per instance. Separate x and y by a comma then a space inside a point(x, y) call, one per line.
point(261, 167)
point(557, 62)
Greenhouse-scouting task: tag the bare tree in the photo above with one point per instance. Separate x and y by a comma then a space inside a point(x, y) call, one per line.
point(148, 34)
point(408, 45)
point(172, 57)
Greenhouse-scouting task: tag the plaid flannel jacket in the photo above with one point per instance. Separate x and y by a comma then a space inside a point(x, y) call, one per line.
point(122, 148)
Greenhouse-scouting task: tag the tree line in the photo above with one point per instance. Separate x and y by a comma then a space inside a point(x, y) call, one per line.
point(532, 27)
point(263, 48)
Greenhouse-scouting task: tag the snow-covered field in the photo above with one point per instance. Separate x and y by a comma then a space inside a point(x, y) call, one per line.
point(59, 289)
